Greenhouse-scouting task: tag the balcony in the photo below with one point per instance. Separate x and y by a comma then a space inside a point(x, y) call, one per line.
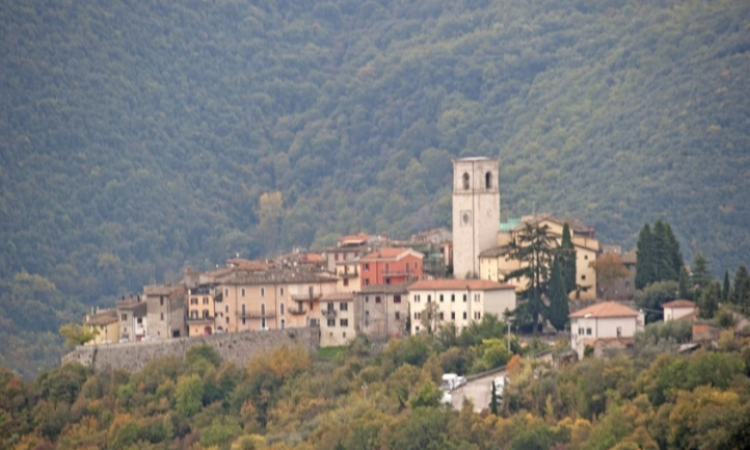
point(297, 312)
point(306, 297)
point(255, 315)
point(330, 313)
point(200, 319)
point(349, 274)
point(399, 273)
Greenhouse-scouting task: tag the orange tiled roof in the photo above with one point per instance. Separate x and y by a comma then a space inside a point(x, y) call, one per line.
point(386, 253)
point(679, 303)
point(354, 238)
point(605, 310)
point(459, 285)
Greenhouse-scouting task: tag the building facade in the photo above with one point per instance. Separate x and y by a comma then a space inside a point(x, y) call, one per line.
point(105, 324)
point(338, 319)
point(606, 323)
point(680, 310)
point(476, 212)
point(384, 310)
point(390, 266)
point(133, 319)
point(165, 311)
point(434, 302)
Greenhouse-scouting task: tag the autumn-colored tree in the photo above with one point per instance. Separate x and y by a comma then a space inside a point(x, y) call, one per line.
point(75, 334)
point(609, 268)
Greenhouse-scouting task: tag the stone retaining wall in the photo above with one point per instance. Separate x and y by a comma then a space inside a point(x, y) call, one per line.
point(236, 347)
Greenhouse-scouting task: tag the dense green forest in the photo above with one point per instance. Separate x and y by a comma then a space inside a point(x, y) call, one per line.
point(139, 136)
point(367, 398)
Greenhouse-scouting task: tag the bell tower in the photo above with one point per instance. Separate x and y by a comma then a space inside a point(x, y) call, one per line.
point(476, 212)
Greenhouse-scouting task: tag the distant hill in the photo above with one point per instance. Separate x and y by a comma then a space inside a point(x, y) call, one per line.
point(138, 137)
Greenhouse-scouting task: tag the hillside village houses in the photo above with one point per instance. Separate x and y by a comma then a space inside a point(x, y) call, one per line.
point(366, 284)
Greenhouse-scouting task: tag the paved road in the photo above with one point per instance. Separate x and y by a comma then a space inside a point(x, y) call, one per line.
point(479, 391)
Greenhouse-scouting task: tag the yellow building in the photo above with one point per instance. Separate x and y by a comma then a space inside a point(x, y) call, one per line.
point(201, 315)
point(106, 326)
point(348, 273)
point(495, 265)
point(272, 298)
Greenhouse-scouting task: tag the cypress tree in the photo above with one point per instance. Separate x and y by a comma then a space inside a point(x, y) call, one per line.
point(725, 292)
point(709, 300)
point(493, 400)
point(741, 293)
point(673, 247)
point(644, 258)
point(568, 260)
point(685, 292)
point(701, 272)
point(664, 252)
point(558, 310)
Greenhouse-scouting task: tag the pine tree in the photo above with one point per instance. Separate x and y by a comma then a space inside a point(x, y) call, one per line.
point(568, 260)
point(558, 310)
point(685, 291)
point(725, 292)
point(644, 258)
point(741, 293)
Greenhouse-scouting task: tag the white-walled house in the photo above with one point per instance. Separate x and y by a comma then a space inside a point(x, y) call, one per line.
point(606, 322)
point(459, 301)
point(339, 316)
point(679, 310)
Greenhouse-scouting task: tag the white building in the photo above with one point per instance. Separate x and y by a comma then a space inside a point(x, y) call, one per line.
point(476, 211)
point(679, 310)
point(603, 324)
point(458, 301)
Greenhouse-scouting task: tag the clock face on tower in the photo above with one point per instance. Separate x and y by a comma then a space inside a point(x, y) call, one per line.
point(465, 217)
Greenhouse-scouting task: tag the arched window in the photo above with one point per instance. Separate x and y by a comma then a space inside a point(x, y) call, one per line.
point(488, 180)
point(466, 181)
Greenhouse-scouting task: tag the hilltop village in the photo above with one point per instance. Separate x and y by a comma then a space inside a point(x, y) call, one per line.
point(379, 287)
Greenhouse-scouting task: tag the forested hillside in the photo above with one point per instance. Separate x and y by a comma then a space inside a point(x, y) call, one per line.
point(139, 136)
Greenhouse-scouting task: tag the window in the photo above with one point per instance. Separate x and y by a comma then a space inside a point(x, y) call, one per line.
point(583, 277)
point(263, 309)
point(367, 281)
point(194, 301)
point(465, 297)
point(226, 292)
point(335, 256)
point(343, 334)
point(281, 309)
point(331, 322)
point(346, 281)
point(367, 299)
point(619, 331)
point(588, 331)
point(488, 180)
point(465, 315)
point(205, 314)
point(478, 315)
point(397, 298)
point(416, 329)
point(281, 292)
point(476, 298)
point(367, 266)
point(429, 298)
point(440, 316)
point(243, 292)
point(398, 315)
point(387, 281)
point(367, 318)
point(227, 320)
point(226, 309)
point(417, 315)
point(124, 317)
point(262, 292)
point(466, 181)
point(343, 306)
point(441, 298)
point(453, 316)
point(377, 299)
point(407, 266)
point(162, 317)
point(283, 324)
point(310, 291)
point(585, 256)
point(161, 300)
point(580, 331)
point(387, 267)
point(453, 298)
point(416, 298)
point(194, 314)
point(205, 300)
point(263, 325)
point(344, 322)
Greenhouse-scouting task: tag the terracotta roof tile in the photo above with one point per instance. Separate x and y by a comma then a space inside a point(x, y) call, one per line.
point(459, 285)
point(679, 303)
point(388, 253)
point(604, 310)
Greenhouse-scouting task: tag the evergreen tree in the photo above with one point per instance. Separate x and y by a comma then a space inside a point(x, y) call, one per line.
point(664, 252)
point(741, 292)
point(567, 260)
point(493, 400)
point(725, 292)
point(673, 247)
point(701, 273)
point(685, 291)
point(533, 248)
point(644, 258)
point(709, 300)
point(558, 310)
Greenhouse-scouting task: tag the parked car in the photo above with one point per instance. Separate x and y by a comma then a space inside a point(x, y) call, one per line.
point(452, 381)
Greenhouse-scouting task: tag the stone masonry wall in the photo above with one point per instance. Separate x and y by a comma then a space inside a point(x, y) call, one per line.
point(236, 347)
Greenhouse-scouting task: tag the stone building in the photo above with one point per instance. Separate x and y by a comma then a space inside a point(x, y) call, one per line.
point(106, 326)
point(133, 321)
point(476, 212)
point(165, 311)
point(384, 310)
